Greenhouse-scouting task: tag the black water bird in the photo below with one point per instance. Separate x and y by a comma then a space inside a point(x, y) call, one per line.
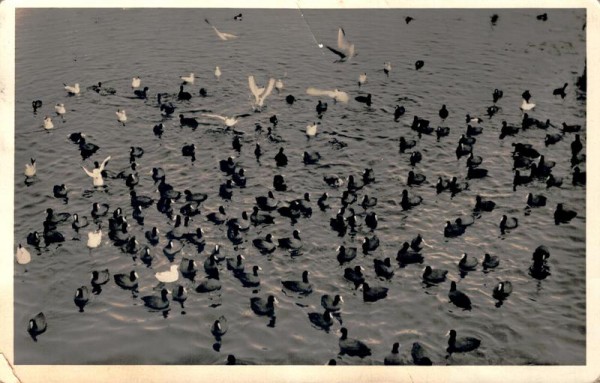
point(364, 99)
point(490, 261)
point(463, 344)
point(383, 268)
point(352, 347)
point(183, 95)
point(443, 113)
point(303, 286)
point(562, 215)
point(431, 275)
point(459, 298)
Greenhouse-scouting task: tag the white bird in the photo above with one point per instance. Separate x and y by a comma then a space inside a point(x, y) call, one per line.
point(168, 276)
point(222, 35)
point(527, 105)
point(30, 169)
point(218, 72)
point(72, 90)
point(121, 116)
point(387, 68)
point(23, 256)
point(229, 121)
point(311, 129)
point(345, 48)
point(136, 82)
point(96, 174)
point(260, 94)
point(60, 109)
point(279, 85)
point(94, 238)
point(336, 94)
point(362, 78)
point(188, 79)
point(48, 123)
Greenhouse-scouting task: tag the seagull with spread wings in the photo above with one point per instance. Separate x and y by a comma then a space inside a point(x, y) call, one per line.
point(336, 94)
point(222, 35)
point(260, 94)
point(96, 173)
point(229, 121)
point(345, 48)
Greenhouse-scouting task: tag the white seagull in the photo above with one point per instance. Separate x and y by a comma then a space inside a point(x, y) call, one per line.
point(22, 255)
point(345, 48)
point(168, 276)
point(96, 174)
point(362, 78)
point(188, 79)
point(94, 238)
point(136, 82)
point(525, 106)
point(229, 121)
point(260, 94)
point(222, 35)
point(60, 109)
point(30, 169)
point(218, 72)
point(72, 90)
point(48, 123)
point(387, 68)
point(279, 85)
point(311, 129)
point(336, 94)
point(121, 116)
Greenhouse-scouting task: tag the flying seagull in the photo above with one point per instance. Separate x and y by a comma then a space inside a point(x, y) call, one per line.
point(345, 48)
point(260, 94)
point(229, 121)
point(336, 94)
point(222, 35)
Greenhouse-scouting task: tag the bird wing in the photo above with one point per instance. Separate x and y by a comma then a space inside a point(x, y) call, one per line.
point(88, 172)
point(340, 96)
point(228, 35)
point(341, 54)
point(319, 92)
point(253, 88)
point(341, 40)
point(103, 164)
point(214, 116)
point(267, 91)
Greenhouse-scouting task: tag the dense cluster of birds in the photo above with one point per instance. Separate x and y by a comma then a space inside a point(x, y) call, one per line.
point(349, 198)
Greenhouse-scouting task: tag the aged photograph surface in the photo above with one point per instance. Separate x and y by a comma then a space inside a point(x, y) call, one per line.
point(300, 186)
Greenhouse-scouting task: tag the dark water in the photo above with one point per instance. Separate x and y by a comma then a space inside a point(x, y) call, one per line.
point(542, 322)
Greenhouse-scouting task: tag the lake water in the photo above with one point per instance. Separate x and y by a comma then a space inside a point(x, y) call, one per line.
point(466, 58)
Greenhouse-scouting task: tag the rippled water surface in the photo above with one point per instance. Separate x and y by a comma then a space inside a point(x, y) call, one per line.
point(466, 58)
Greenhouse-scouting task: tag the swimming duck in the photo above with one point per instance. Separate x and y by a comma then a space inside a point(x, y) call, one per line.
point(464, 344)
point(82, 296)
point(508, 223)
point(303, 287)
point(459, 298)
point(352, 347)
point(157, 302)
point(262, 306)
point(383, 268)
point(127, 281)
point(431, 275)
point(323, 321)
point(502, 290)
point(373, 293)
point(332, 303)
point(562, 215)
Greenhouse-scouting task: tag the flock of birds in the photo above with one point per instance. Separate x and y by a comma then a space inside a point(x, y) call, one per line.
point(351, 193)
